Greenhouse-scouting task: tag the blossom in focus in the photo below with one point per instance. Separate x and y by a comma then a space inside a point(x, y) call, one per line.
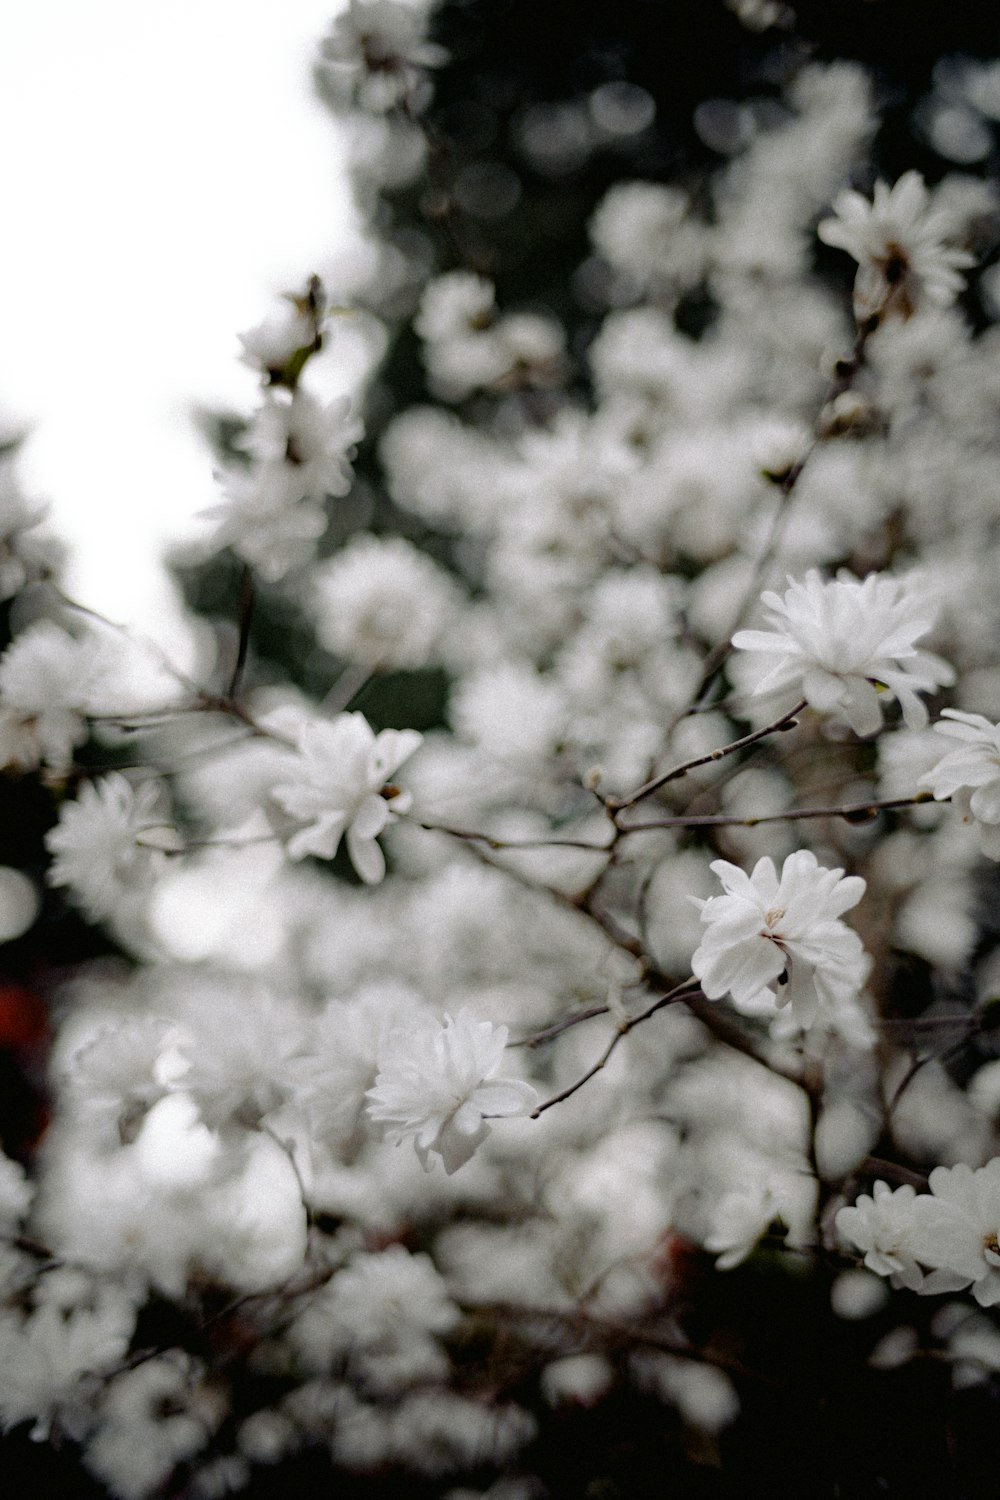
point(437, 1084)
point(970, 775)
point(899, 242)
point(841, 642)
point(881, 1226)
point(336, 787)
point(774, 943)
point(957, 1230)
point(105, 843)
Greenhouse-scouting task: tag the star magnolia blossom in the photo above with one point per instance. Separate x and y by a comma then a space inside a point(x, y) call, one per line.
point(898, 241)
point(954, 1230)
point(106, 842)
point(45, 677)
point(436, 1086)
point(970, 775)
point(336, 787)
point(837, 643)
point(773, 943)
point(881, 1226)
point(957, 1230)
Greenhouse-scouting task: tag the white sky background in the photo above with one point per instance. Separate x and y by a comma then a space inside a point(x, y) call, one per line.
point(164, 171)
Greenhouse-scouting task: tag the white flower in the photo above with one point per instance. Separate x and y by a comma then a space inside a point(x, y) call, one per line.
point(19, 903)
point(957, 1230)
point(45, 676)
point(741, 1217)
point(377, 51)
point(273, 512)
point(384, 1296)
point(898, 241)
point(267, 520)
point(838, 643)
point(462, 347)
point(971, 774)
point(455, 305)
point(341, 1062)
point(336, 787)
point(437, 1085)
point(288, 327)
point(643, 230)
point(98, 843)
point(22, 551)
point(314, 441)
point(774, 943)
point(152, 1418)
point(383, 602)
point(45, 1355)
point(16, 1192)
point(882, 1227)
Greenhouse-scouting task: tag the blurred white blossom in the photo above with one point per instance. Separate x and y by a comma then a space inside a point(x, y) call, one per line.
point(437, 1085)
point(337, 787)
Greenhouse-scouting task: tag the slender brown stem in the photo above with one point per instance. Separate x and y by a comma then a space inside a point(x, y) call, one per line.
point(679, 992)
point(549, 1033)
point(248, 597)
point(788, 721)
point(851, 812)
point(492, 842)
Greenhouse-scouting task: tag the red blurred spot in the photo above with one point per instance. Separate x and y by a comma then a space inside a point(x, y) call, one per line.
point(23, 1017)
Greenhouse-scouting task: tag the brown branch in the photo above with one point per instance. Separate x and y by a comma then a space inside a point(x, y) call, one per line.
point(788, 720)
point(679, 992)
point(844, 373)
point(495, 843)
point(851, 812)
point(248, 598)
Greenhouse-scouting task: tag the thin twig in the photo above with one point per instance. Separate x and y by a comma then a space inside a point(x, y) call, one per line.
point(851, 812)
point(133, 635)
point(679, 992)
point(843, 378)
point(548, 1033)
point(788, 720)
point(491, 841)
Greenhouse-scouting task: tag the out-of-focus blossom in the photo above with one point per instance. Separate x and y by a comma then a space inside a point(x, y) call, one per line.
point(437, 1084)
point(45, 678)
point(337, 787)
point(970, 775)
point(107, 842)
point(377, 52)
point(384, 603)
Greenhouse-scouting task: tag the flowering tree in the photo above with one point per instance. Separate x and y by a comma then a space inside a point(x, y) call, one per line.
point(534, 981)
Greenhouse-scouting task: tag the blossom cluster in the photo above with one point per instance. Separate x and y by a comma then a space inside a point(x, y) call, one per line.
point(535, 929)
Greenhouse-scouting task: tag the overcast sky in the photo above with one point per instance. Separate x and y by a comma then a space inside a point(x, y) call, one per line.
point(165, 171)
